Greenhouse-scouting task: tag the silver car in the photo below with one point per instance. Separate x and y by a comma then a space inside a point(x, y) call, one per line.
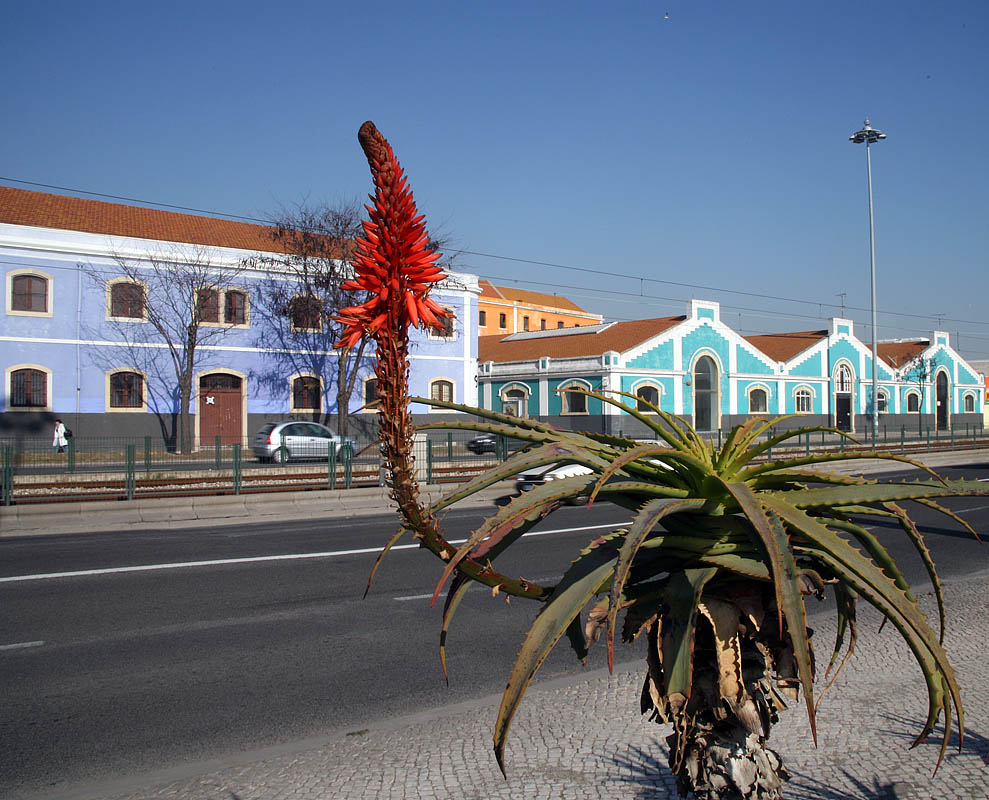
point(291, 440)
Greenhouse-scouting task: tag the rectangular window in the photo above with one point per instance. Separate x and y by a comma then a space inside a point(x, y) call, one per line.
point(29, 293)
point(559, 324)
point(209, 305)
point(542, 324)
point(482, 318)
point(126, 390)
point(525, 323)
point(234, 308)
point(305, 393)
point(502, 321)
point(127, 300)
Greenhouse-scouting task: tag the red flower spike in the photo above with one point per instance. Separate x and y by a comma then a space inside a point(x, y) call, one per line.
point(392, 262)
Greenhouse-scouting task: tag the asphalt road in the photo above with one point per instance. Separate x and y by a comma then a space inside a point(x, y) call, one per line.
point(262, 637)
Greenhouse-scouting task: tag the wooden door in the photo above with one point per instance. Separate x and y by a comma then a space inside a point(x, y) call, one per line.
point(221, 409)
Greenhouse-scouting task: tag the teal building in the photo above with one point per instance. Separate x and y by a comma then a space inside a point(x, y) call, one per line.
point(698, 368)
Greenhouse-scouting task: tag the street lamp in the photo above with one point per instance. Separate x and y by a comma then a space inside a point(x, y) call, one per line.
point(870, 135)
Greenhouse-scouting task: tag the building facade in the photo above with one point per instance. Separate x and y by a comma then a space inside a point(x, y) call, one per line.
point(698, 368)
point(82, 279)
point(502, 310)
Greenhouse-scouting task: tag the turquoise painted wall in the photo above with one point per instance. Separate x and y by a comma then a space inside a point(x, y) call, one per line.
point(843, 349)
point(817, 393)
point(659, 357)
point(532, 407)
point(556, 399)
point(884, 374)
point(809, 368)
point(705, 337)
point(746, 362)
point(743, 395)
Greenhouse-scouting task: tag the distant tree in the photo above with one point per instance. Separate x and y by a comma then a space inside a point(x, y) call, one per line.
point(178, 293)
point(920, 372)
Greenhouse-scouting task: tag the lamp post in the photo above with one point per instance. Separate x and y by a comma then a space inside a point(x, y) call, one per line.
point(869, 136)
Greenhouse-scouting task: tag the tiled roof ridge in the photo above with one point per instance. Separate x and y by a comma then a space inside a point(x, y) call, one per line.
point(86, 215)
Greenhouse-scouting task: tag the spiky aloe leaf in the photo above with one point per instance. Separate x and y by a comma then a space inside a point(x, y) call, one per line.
point(645, 521)
point(849, 565)
point(458, 588)
point(831, 496)
point(680, 437)
point(910, 529)
point(727, 461)
point(579, 584)
point(384, 551)
point(831, 458)
point(948, 513)
point(746, 454)
point(622, 460)
point(682, 594)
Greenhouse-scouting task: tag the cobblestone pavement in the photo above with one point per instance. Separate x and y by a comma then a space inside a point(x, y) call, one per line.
point(583, 739)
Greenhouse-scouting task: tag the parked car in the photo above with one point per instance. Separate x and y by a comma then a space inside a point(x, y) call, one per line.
point(293, 440)
point(531, 478)
point(485, 443)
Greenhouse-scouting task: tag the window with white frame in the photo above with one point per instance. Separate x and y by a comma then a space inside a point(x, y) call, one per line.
point(969, 403)
point(306, 312)
point(126, 391)
point(514, 401)
point(27, 388)
point(647, 398)
point(913, 403)
point(447, 328)
point(882, 402)
point(804, 401)
point(370, 393)
point(127, 300)
point(441, 390)
point(306, 393)
point(843, 379)
point(574, 401)
point(29, 293)
point(758, 401)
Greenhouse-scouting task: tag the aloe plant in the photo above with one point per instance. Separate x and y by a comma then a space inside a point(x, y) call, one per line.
point(714, 568)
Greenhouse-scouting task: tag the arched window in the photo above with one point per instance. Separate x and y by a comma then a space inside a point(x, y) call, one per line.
point(126, 390)
point(29, 294)
point(969, 403)
point(441, 390)
point(882, 403)
point(127, 300)
point(306, 313)
point(913, 403)
point(758, 401)
point(306, 393)
point(706, 394)
point(804, 401)
point(370, 391)
point(647, 396)
point(28, 389)
point(574, 401)
point(843, 379)
point(514, 401)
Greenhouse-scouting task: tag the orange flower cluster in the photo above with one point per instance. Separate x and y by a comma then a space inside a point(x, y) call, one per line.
point(393, 263)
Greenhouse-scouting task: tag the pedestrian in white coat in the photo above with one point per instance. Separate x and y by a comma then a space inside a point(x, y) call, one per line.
point(60, 441)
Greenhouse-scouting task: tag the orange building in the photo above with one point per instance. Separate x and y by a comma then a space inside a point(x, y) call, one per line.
point(501, 310)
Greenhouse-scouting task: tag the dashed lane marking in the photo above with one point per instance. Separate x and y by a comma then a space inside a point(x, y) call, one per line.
point(20, 645)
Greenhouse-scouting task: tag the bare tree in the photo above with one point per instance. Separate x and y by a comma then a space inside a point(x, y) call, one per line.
point(301, 293)
point(178, 293)
point(921, 373)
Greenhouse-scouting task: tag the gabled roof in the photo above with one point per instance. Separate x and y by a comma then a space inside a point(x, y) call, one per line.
point(39, 209)
point(491, 292)
point(572, 343)
point(897, 354)
point(784, 346)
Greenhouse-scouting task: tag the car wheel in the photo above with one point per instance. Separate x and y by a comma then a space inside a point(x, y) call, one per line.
point(280, 456)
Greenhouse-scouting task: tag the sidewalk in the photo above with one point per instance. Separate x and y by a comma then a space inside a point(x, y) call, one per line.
point(582, 738)
point(207, 510)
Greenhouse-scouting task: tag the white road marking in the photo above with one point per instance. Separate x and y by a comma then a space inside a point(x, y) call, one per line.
point(20, 645)
point(256, 559)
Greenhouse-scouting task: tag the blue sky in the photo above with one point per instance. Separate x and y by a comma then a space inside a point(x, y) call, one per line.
point(687, 141)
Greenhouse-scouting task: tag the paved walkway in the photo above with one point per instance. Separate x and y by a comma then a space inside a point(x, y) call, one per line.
point(583, 739)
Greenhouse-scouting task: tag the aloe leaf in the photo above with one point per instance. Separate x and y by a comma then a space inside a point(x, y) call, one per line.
point(458, 588)
point(507, 419)
point(746, 437)
point(526, 510)
point(682, 594)
point(845, 604)
point(648, 517)
point(575, 634)
point(910, 529)
point(679, 441)
point(572, 593)
point(831, 496)
point(681, 430)
point(622, 460)
point(830, 458)
point(795, 612)
point(384, 551)
point(949, 513)
point(800, 479)
point(870, 582)
point(750, 453)
point(549, 453)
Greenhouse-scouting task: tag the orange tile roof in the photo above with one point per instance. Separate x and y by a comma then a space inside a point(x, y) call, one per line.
point(25, 207)
point(620, 336)
point(784, 346)
point(896, 354)
point(491, 292)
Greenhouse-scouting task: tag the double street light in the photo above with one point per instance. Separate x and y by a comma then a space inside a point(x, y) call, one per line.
point(869, 136)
